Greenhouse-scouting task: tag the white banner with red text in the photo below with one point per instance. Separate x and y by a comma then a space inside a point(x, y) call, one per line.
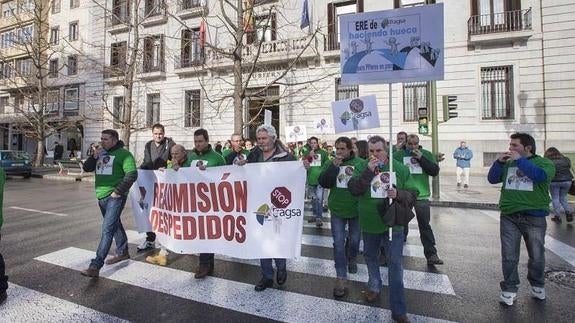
point(251, 211)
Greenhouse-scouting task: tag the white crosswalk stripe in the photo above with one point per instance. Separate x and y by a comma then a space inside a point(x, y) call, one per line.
point(46, 308)
point(273, 303)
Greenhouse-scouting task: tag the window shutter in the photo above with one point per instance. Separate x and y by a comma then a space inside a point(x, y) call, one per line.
point(473, 7)
point(274, 24)
point(359, 5)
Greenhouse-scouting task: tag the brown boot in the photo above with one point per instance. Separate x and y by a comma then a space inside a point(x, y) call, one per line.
point(116, 259)
point(370, 296)
point(203, 271)
point(91, 272)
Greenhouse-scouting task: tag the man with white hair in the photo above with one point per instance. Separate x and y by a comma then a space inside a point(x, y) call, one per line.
point(269, 149)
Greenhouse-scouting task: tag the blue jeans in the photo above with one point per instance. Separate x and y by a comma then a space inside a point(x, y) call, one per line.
point(532, 228)
point(423, 214)
point(559, 196)
point(112, 228)
point(316, 194)
point(268, 269)
point(339, 235)
point(394, 253)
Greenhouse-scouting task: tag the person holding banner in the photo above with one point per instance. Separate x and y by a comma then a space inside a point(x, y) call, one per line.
point(179, 159)
point(374, 184)
point(203, 156)
point(343, 209)
point(314, 159)
point(156, 155)
point(422, 165)
point(237, 151)
point(116, 171)
point(269, 149)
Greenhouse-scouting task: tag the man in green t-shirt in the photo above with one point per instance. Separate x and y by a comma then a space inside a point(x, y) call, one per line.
point(3, 277)
point(343, 209)
point(313, 160)
point(203, 156)
point(422, 165)
point(524, 205)
point(373, 184)
point(116, 171)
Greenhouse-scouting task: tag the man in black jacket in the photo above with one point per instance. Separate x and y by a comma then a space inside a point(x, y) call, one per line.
point(157, 153)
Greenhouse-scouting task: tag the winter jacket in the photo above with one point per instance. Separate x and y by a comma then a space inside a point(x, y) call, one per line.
point(562, 170)
point(156, 157)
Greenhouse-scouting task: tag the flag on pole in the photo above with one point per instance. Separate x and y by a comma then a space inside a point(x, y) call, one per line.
point(203, 33)
point(304, 15)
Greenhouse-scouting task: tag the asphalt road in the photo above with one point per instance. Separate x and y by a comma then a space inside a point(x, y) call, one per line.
point(51, 229)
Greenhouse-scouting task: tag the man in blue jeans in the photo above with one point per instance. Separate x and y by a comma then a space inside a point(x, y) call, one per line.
point(373, 184)
point(116, 171)
point(524, 204)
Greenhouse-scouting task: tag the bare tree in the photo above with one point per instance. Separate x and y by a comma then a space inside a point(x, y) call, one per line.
point(29, 75)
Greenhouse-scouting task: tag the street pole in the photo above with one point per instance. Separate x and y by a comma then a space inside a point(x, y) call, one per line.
point(434, 137)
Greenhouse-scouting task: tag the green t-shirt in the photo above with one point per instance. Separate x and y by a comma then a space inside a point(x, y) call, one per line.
point(341, 203)
point(420, 178)
point(369, 219)
point(111, 169)
point(209, 157)
point(519, 193)
point(320, 159)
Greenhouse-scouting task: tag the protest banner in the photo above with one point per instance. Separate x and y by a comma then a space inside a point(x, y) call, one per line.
point(355, 114)
point(251, 211)
point(295, 133)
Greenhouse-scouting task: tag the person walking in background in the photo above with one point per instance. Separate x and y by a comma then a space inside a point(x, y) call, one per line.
point(524, 204)
point(463, 157)
point(560, 184)
point(58, 151)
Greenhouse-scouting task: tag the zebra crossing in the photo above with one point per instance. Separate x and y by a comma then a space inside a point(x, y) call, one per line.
point(229, 294)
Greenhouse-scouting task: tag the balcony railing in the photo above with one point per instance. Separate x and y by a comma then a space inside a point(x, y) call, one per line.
point(152, 67)
point(191, 8)
point(113, 71)
point(153, 15)
point(517, 20)
point(331, 42)
point(186, 62)
point(280, 46)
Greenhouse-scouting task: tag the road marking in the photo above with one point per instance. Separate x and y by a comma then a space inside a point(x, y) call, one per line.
point(273, 303)
point(562, 250)
point(327, 225)
point(327, 242)
point(27, 305)
point(416, 280)
point(37, 211)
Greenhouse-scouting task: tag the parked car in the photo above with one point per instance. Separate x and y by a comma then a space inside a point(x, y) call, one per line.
point(16, 163)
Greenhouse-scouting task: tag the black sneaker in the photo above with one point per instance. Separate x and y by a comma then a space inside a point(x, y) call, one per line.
point(434, 260)
point(556, 219)
point(3, 297)
point(281, 277)
point(263, 284)
point(352, 267)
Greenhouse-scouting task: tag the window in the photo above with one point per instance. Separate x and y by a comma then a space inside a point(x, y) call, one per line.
point(497, 92)
point(496, 15)
point(153, 111)
point(118, 54)
point(71, 101)
point(265, 29)
point(53, 102)
point(5, 70)
point(53, 70)
point(345, 92)
point(56, 6)
point(54, 35)
point(27, 5)
point(72, 64)
point(334, 10)
point(192, 51)
point(74, 4)
point(154, 7)
point(189, 4)
point(411, 3)
point(120, 11)
point(26, 33)
point(192, 109)
point(118, 109)
point(3, 104)
point(73, 31)
point(154, 54)
point(414, 97)
point(24, 67)
point(8, 9)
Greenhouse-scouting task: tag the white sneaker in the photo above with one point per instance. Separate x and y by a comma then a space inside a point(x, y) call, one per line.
point(146, 245)
point(507, 298)
point(538, 292)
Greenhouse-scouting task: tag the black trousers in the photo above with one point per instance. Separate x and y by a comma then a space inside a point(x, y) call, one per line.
point(3, 277)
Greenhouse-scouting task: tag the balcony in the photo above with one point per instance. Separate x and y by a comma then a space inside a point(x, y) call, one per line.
point(189, 65)
point(152, 70)
point(114, 73)
point(153, 15)
point(508, 26)
point(331, 45)
point(119, 22)
point(191, 8)
point(19, 19)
